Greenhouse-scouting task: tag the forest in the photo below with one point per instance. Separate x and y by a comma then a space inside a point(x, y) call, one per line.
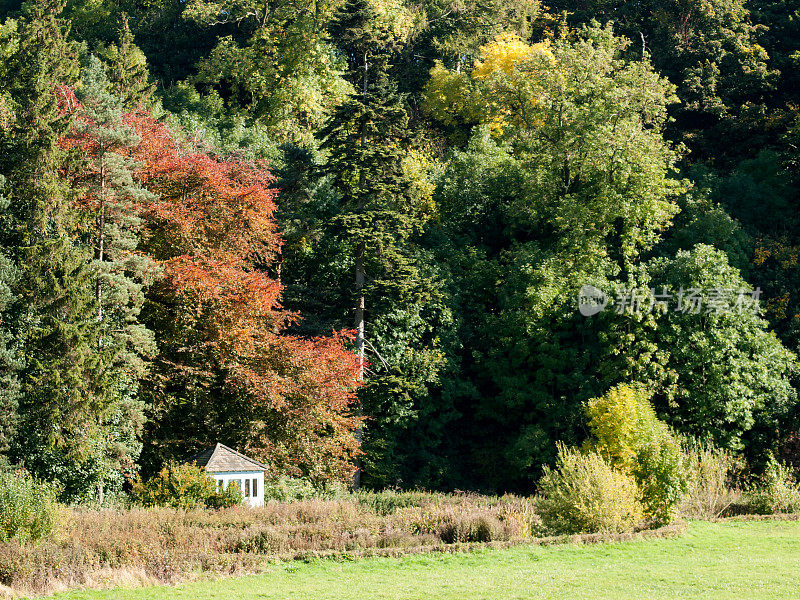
point(354, 235)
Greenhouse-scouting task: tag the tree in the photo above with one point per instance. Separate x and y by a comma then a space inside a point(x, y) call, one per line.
point(709, 49)
point(127, 70)
point(377, 213)
point(9, 359)
point(566, 180)
point(111, 204)
point(723, 373)
point(272, 61)
point(225, 372)
point(52, 313)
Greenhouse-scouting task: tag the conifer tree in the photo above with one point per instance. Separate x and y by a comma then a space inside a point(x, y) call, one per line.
point(127, 71)
point(111, 203)
point(51, 313)
point(9, 384)
point(365, 139)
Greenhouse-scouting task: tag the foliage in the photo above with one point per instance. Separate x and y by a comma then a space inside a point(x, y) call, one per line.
point(559, 186)
point(184, 486)
point(51, 317)
point(28, 508)
point(585, 494)
point(128, 76)
point(776, 491)
point(711, 480)
point(198, 200)
point(710, 50)
point(724, 373)
point(216, 309)
point(631, 437)
point(282, 70)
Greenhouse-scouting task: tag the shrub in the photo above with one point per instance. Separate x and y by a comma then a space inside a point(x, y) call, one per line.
point(777, 491)
point(633, 439)
point(28, 508)
point(386, 502)
point(168, 545)
point(710, 470)
point(585, 494)
point(184, 486)
point(291, 488)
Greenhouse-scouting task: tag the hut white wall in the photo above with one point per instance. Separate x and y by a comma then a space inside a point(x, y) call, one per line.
point(257, 476)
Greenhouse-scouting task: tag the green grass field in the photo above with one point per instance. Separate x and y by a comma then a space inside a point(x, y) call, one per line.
point(735, 560)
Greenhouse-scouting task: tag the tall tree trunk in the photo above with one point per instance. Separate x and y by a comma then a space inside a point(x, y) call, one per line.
point(360, 345)
point(101, 226)
point(360, 303)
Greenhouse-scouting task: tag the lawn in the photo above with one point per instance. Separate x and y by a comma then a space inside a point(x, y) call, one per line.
point(735, 560)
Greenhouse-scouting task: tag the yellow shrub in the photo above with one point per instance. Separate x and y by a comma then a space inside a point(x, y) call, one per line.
point(632, 438)
point(585, 494)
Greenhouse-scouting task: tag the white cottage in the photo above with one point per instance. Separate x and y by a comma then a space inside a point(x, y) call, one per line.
point(229, 467)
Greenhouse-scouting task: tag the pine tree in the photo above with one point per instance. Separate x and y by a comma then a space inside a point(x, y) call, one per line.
point(9, 363)
point(127, 71)
point(111, 203)
point(51, 314)
point(365, 140)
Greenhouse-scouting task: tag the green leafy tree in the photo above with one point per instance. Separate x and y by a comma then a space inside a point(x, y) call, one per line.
point(52, 317)
point(9, 360)
point(273, 60)
point(709, 49)
point(727, 374)
point(561, 184)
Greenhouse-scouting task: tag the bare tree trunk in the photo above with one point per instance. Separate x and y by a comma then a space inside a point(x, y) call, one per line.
point(360, 303)
point(101, 226)
point(360, 346)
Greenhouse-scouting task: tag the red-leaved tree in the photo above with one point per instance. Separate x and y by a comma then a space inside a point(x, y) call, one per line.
point(224, 370)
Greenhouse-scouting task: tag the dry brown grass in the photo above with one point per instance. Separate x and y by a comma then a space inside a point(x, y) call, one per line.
point(145, 546)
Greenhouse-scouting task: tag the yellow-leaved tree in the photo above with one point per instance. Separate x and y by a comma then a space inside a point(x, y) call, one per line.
point(505, 85)
point(628, 433)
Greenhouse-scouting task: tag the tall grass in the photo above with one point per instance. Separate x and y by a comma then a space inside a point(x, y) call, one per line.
point(712, 490)
point(167, 544)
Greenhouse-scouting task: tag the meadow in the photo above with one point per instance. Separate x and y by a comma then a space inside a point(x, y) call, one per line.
point(713, 560)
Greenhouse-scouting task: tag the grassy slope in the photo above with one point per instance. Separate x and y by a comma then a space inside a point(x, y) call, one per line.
point(720, 561)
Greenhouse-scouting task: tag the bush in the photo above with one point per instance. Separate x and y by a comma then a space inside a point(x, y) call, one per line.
point(585, 494)
point(776, 492)
point(287, 489)
point(633, 439)
point(184, 486)
point(28, 509)
point(710, 470)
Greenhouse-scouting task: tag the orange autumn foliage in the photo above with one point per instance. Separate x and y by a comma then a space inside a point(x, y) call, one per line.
point(225, 370)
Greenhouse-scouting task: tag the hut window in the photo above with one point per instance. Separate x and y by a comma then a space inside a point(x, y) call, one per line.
point(246, 488)
point(255, 487)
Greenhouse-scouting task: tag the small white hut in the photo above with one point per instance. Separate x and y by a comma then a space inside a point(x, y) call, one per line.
point(230, 467)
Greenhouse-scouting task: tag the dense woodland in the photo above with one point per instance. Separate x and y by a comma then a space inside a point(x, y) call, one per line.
point(343, 232)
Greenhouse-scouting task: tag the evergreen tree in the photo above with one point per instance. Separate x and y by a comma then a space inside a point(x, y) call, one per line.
point(51, 316)
point(127, 71)
point(111, 203)
point(9, 364)
point(366, 141)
